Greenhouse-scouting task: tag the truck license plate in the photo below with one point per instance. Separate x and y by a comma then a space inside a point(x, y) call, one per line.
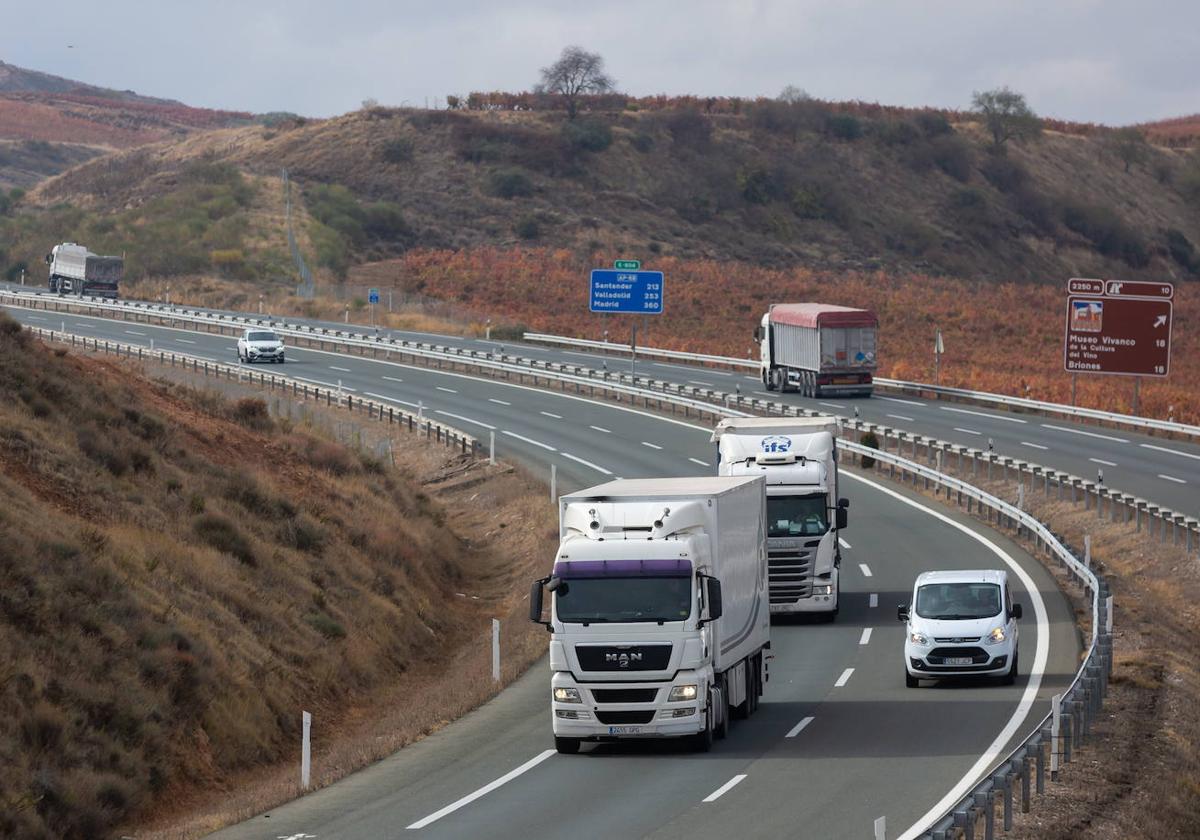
point(624, 730)
point(845, 380)
point(959, 660)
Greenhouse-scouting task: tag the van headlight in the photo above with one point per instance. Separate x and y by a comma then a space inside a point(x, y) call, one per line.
point(567, 695)
point(918, 638)
point(681, 693)
point(996, 636)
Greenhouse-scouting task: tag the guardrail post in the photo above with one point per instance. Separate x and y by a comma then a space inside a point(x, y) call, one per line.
point(1042, 738)
point(1025, 783)
point(1008, 799)
point(983, 802)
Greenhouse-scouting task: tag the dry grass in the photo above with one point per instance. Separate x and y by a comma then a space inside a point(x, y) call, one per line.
point(179, 579)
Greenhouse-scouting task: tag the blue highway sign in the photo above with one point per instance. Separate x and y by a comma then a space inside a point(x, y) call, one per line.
point(373, 296)
point(639, 292)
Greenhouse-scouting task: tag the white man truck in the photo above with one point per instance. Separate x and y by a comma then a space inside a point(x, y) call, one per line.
point(797, 456)
point(817, 349)
point(659, 617)
point(76, 270)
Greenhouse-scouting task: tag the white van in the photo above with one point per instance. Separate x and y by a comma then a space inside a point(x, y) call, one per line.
point(960, 624)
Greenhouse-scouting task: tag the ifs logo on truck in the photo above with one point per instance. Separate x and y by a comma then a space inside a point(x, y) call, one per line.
point(777, 443)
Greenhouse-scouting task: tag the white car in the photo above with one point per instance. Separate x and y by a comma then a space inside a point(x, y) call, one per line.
point(960, 624)
point(259, 345)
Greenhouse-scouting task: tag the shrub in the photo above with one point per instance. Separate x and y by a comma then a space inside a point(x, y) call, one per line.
point(325, 625)
point(220, 533)
point(952, 155)
point(642, 141)
point(843, 126)
point(871, 440)
point(1182, 251)
point(385, 220)
point(397, 150)
point(1107, 232)
point(1004, 173)
point(910, 236)
point(527, 227)
point(689, 128)
point(509, 183)
point(252, 413)
point(899, 133)
point(589, 135)
point(303, 533)
point(970, 208)
point(1037, 209)
point(933, 123)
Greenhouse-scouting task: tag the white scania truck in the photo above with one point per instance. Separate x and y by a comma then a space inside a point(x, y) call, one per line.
point(659, 617)
point(798, 458)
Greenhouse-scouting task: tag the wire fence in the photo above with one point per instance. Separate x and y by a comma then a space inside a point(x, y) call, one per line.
point(306, 288)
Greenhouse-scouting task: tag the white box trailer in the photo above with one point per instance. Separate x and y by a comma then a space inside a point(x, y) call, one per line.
point(818, 349)
point(805, 515)
point(660, 613)
point(76, 270)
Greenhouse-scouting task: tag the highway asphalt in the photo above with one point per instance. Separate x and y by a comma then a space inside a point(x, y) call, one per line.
point(1165, 472)
point(872, 747)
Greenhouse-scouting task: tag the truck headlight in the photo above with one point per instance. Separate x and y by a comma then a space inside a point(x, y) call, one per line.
point(996, 636)
point(824, 589)
point(567, 695)
point(681, 693)
point(918, 638)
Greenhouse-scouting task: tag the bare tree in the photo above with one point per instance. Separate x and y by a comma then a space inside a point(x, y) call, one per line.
point(1007, 116)
point(1129, 145)
point(792, 94)
point(576, 74)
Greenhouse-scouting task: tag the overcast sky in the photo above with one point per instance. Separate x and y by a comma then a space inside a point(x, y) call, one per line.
point(1093, 60)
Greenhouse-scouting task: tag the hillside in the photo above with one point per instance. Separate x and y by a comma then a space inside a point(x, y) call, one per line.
point(51, 123)
point(809, 184)
point(180, 576)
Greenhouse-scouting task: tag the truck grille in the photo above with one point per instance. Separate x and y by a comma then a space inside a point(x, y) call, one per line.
point(623, 657)
point(624, 695)
point(958, 640)
point(790, 572)
point(614, 718)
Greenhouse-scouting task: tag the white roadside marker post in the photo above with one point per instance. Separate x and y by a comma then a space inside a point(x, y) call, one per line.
point(881, 828)
point(553, 482)
point(305, 751)
point(496, 650)
point(492, 448)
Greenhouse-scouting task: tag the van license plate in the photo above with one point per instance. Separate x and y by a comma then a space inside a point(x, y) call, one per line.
point(959, 660)
point(624, 730)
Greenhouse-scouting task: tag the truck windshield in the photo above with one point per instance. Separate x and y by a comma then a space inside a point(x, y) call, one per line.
point(949, 601)
point(796, 516)
point(624, 599)
point(262, 336)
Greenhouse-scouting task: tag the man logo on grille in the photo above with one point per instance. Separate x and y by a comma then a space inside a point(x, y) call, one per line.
point(622, 659)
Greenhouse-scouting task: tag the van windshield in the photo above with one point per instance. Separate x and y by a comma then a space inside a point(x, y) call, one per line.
point(796, 516)
point(949, 601)
point(624, 599)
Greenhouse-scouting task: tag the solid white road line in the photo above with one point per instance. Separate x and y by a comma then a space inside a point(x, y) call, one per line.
point(483, 791)
point(799, 727)
point(134, 332)
point(865, 638)
point(35, 318)
point(392, 378)
point(698, 461)
point(465, 419)
point(599, 429)
point(725, 788)
point(1102, 461)
point(185, 341)
point(843, 543)
point(897, 399)
point(84, 326)
point(549, 414)
point(1032, 686)
point(596, 467)
point(498, 402)
point(576, 353)
point(447, 390)
point(984, 414)
point(1172, 478)
point(844, 678)
point(393, 399)
point(831, 405)
point(967, 431)
point(874, 602)
point(725, 373)
point(529, 440)
point(1033, 445)
point(1170, 451)
point(343, 370)
point(695, 382)
point(866, 570)
point(651, 445)
point(901, 417)
point(1085, 434)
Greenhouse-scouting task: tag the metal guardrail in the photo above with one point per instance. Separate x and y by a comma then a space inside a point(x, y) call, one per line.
point(666, 395)
point(1072, 713)
point(901, 386)
point(448, 435)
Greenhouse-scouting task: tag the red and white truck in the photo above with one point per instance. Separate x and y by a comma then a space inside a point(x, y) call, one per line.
point(818, 349)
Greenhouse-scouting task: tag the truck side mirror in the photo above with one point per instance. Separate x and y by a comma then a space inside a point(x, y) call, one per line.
point(902, 612)
point(842, 517)
point(1016, 610)
point(535, 602)
point(713, 596)
point(758, 333)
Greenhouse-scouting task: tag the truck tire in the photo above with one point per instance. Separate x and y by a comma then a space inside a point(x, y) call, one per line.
point(566, 746)
point(721, 730)
point(773, 380)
